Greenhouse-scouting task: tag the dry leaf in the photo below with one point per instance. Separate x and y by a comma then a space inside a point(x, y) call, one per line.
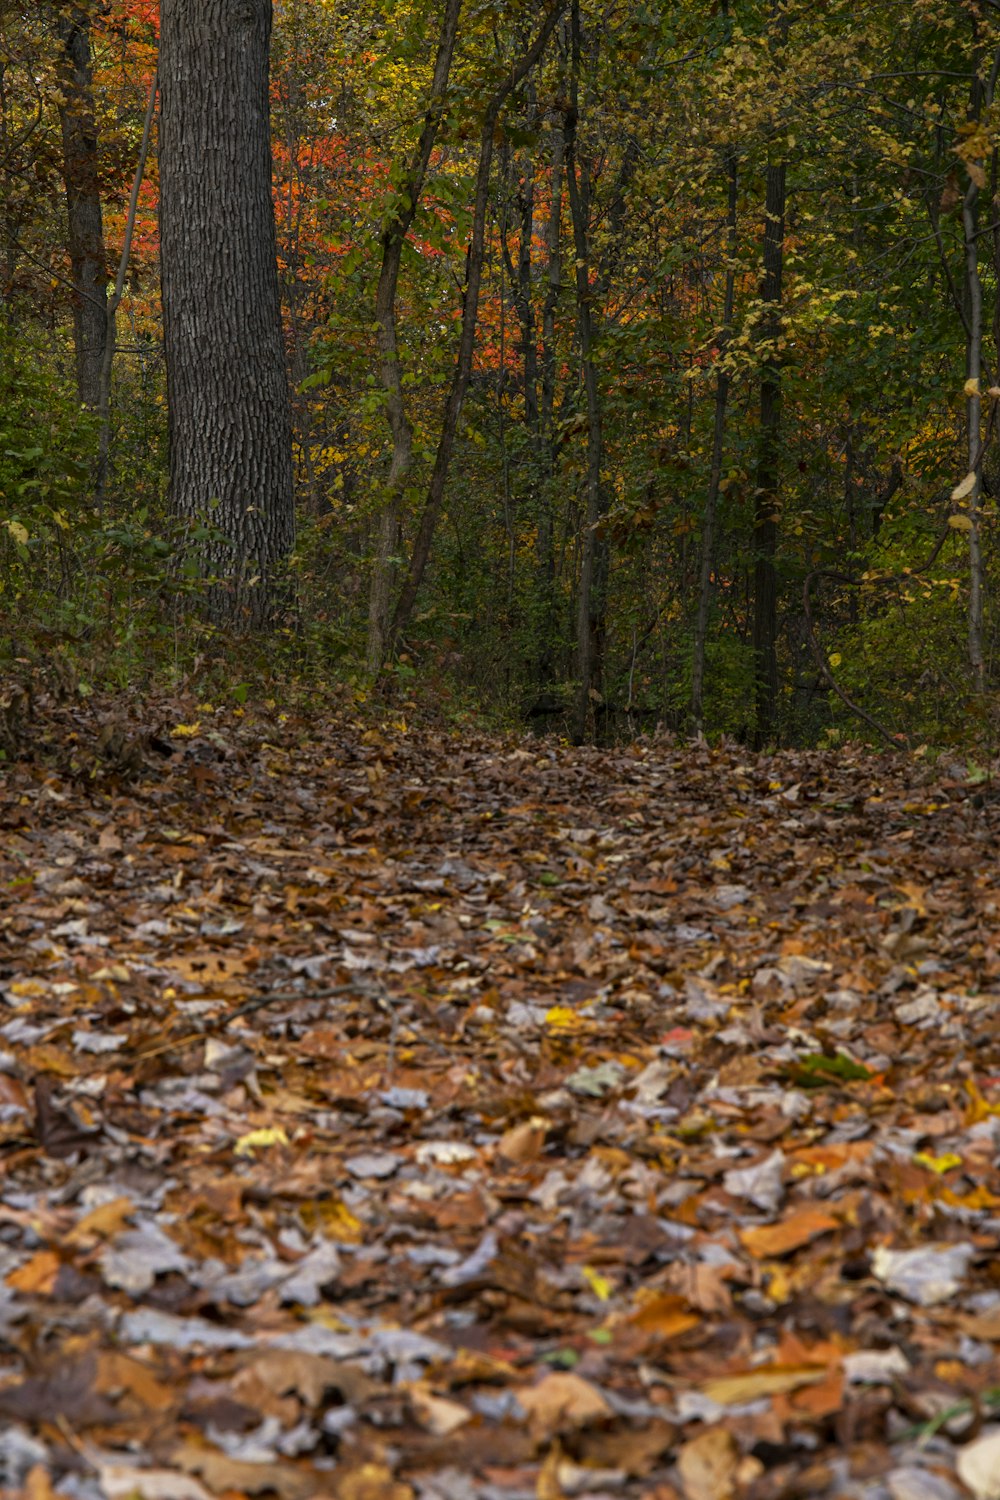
point(435, 1413)
point(124, 1482)
point(524, 1142)
point(37, 1275)
point(790, 1234)
point(767, 1380)
point(708, 1465)
point(978, 1465)
point(562, 1403)
point(370, 1482)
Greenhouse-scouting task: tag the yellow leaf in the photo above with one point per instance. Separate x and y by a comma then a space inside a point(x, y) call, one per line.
point(938, 1164)
point(971, 388)
point(248, 1144)
point(966, 487)
point(835, 659)
point(17, 531)
point(185, 731)
point(563, 1018)
point(978, 1108)
point(599, 1285)
point(769, 1380)
point(960, 523)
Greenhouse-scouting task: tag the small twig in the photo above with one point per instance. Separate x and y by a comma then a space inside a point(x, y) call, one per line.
point(249, 1008)
point(280, 997)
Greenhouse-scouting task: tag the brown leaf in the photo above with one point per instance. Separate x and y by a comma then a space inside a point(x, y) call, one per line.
point(222, 1473)
point(708, 1465)
point(309, 1376)
point(524, 1142)
point(562, 1403)
point(102, 1223)
point(436, 1414)
point(370, 1481)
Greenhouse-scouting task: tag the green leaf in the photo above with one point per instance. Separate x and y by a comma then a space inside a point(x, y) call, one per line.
point(816, 1069)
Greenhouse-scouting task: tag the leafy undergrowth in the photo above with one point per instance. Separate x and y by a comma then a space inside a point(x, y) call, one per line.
point(389, 1113)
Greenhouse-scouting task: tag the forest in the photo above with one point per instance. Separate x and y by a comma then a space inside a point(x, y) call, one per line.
point(641, 360)
point(499, 958)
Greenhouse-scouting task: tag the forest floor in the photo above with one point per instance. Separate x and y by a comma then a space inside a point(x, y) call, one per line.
point(392, 1112)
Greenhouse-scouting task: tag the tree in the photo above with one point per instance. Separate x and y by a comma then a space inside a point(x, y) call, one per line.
point(83, 200)
point(227, 389)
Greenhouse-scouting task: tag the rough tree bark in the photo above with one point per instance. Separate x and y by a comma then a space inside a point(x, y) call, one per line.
point(83, 199)
point(227, 389)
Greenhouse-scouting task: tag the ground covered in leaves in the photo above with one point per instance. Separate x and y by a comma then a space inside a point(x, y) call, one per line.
point(392, 1112)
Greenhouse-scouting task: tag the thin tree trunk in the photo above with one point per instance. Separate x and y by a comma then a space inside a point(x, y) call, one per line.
point(765, 622)
point(545, 550)
point(107, 362)
point(718, 445)
point(470, 311)
point(227, 387)
point(83, 201)
point(590, 599)
point(520, 274)
point(394, 232)
point(981, 100)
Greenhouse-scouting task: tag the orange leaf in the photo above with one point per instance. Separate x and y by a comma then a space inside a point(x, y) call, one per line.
point(37, 1274)
point(791, 1234)
point(664, 1315)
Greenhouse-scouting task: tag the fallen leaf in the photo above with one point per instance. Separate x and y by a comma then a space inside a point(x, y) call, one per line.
point(561, 1403)
point(766, 1380)
point(258, 1140)
point(371, 1481)
point(799, 1229)
point(37, 1275)
point(708, 1465)
point(928, 1275)
point(978, 1465)
point(126, 1482)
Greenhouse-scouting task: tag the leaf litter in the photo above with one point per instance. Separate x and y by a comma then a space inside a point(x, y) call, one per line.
point(387, 1111)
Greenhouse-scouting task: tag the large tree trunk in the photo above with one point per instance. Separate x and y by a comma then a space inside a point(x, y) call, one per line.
point(765, 621)
point(227, 389)
point(83, 201)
